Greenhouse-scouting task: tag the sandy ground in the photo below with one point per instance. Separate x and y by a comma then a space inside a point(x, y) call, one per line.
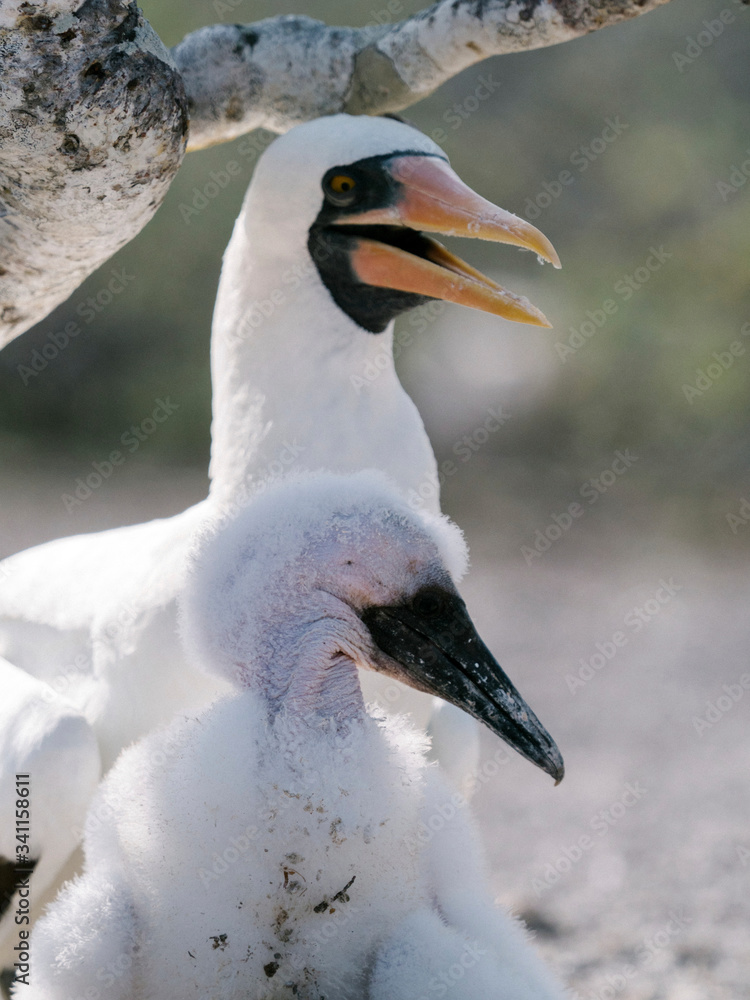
point(634, 873)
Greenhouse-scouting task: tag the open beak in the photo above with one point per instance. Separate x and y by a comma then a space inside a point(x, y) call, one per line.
point(431, 198)
point(434, 646)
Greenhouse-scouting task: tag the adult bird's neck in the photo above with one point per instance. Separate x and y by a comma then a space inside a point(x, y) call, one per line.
point(299, 385)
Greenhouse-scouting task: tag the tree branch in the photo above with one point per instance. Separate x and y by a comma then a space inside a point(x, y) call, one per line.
point(93, 110)
point(285, 70)
point(93, 118)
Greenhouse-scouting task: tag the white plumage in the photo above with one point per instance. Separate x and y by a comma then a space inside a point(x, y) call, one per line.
point(42, 737)
point(283, 842)
point(92, 617)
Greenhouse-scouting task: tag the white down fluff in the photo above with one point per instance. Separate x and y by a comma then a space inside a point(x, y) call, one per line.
point(256, 850)
point(220, 858)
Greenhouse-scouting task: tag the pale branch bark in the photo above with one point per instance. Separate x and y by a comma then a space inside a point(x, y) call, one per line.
point(285, 70)
point(93, 119)
point(93, 110)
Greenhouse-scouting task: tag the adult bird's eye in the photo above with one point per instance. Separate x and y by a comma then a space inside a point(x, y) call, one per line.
point(340, 189)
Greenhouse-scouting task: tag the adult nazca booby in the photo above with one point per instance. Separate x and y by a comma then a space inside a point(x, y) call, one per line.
point(275, 844)
point(325, 253)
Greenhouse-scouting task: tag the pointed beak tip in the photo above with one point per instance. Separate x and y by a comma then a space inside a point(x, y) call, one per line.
point(555, 767)
point(440, 652)
point(548, 254)
point(533, 316)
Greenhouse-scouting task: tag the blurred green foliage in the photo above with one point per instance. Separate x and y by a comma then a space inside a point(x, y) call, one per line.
point(682, 128)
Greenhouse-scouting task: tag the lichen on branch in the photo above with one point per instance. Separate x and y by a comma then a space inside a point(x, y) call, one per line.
point(94, 110)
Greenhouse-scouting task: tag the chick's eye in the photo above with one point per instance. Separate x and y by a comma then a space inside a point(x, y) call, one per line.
point(341, 189)
point(429, 604)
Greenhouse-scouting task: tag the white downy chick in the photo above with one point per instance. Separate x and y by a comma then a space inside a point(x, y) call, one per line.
point(327, 250)
point(274, 844)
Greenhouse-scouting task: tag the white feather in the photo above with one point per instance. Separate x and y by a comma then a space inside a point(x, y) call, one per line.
point(93, 616)
point(275, 846)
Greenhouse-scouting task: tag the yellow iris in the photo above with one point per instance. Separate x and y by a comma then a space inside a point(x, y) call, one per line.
point(342, 184)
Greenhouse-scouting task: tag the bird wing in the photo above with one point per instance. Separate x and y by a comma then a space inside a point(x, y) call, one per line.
point(69, 582)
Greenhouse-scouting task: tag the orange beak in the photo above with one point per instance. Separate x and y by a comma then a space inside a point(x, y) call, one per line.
point(432, 198)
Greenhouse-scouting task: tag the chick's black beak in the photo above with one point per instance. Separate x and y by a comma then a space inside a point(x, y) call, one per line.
point(435, 647)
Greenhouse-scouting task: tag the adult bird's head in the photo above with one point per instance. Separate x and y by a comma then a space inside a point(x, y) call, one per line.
point(363, 196)
point(324, 573)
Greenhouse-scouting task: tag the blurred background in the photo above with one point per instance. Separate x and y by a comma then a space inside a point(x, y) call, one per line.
point(630, 149)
